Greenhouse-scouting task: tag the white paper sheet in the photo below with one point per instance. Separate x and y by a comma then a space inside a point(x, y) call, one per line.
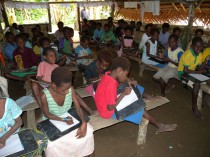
point(13, 145)
point(200, 77)
point(62, 126)
point(127, 100)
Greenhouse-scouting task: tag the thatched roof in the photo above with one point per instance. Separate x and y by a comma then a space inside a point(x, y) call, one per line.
point(171, 12)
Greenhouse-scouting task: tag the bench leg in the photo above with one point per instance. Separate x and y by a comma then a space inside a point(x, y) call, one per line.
point(142, 133)
point(31, 120)
point(199, 100)
point(141, 69)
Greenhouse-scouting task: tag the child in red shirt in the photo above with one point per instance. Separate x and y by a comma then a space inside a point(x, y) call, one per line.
point(106, 95)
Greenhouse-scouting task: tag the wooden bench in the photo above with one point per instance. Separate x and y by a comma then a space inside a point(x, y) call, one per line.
point(96, 121)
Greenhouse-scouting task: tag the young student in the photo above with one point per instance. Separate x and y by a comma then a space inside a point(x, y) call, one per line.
point(191, 62)
point(26, 38)
point(10, 46)
point(35, 35)
point(177, 32)
point(59, 33)
point(150, 50)
point(10, 123)
point(198, 33)
point(56, 101)
point(44, 72)
point(66, 43)
point(95, 70)
point(129, 47)
point(164, 35)
point(83, 52)
point(108, 35)
point(137, 32)
point(173, 56)
point(40, 33)
point(206, 54)
point(119, 28)
point(15, 29)
point(98, 32)
point(21, 29)
point(85, 27)
point(23, 57)
point(106, 95)
point(133, 25)
point(146, 36)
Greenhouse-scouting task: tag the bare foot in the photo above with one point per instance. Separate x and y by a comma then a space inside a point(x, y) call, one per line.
point(196, 113)
point(167, 127)
point(169, 88)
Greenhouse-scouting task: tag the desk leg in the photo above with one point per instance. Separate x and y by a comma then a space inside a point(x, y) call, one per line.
point(142, 133)
point(141, 69)
point(31, 119)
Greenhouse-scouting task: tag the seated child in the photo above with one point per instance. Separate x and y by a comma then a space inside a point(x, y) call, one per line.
point(146, 36)
point(137, 32)
point(24, 57)
point(85, 27)
point(56, 101)
point(15, 29)
point(191, 62)
point(66, 43)
point(95, 70)
point(150, 50)
point(98, 32)
point(44, 72)
point(206, 54)
point(169, 71)
point(198, 33)
point(10, 46)
point(177, 32)
point(10, 123)
point(40, 33)
point(26, 38)
point(108, 35)
point(164, 35)
point(83, 52)
point(129, 47)
point(106, 95)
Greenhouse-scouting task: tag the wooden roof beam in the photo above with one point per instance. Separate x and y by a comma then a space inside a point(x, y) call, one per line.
point(175, 6)
point(183, 7)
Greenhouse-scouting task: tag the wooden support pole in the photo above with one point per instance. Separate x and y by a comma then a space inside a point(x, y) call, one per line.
point(112, 10)
point(49, 17)
point(78, 16)
point(4, 15)
point(142, 12)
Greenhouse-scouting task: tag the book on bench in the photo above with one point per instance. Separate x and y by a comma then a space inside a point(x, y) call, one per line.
point(55, 130)
point(196, 78)
point(130, 104)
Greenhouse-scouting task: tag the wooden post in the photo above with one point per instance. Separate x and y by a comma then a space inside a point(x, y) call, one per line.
point(190, 22)
point(78, 16)
point(4, 15)
point(142, 12)
point(112, 10)
point(49, 17)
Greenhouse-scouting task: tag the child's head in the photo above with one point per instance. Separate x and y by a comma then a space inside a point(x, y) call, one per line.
point(60, 25)
point(44, 42)
point(98, 26)
point(106, 27)
point(124, 24)
point(15, 26)
point(173, 41)
point(66, 32)
point(177, 31)
point(132, 24)
point(120, 22)
point(20, 41)
point(121, 67)
point(197, 45)
point(21, 29)
point(49, 55)
point(34, 31)
point(9, 37)
point(148, 28)
point(105, 59)
point(165, 27)
point(61, 78)
point(155, 33)
point(84, 41)
point(110, 23)
point(38, 27)
point(199, 33)
point(139, 24)
point(85, 21)
point(110, 19)
point(128, 31)
point(25, 36)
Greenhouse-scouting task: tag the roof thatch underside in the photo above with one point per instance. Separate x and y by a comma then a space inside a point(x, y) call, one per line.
point(173, 13)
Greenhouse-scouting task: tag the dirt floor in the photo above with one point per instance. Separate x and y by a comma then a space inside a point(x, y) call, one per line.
point(191, 139)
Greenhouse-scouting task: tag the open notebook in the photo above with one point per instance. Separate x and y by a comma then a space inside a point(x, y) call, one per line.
point(13, 145)
point(62, 126)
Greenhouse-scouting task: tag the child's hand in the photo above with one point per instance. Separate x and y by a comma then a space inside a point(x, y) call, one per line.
point(166, 59)
point(81, 132)
point(132, 81)
point(68, 120)
point(2, 142)
point(127, 90)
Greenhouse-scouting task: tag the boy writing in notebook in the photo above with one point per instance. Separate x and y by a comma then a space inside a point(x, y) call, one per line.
point(106, 95)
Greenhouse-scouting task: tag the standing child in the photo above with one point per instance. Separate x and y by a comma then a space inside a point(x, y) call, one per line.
point(106, 95)
point(191, 63)
point(173, 56)
point(56, 101)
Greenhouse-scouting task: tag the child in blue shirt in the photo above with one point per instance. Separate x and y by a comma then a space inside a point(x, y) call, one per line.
point(83, 52)
point(98, 32)
point(10, 46)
